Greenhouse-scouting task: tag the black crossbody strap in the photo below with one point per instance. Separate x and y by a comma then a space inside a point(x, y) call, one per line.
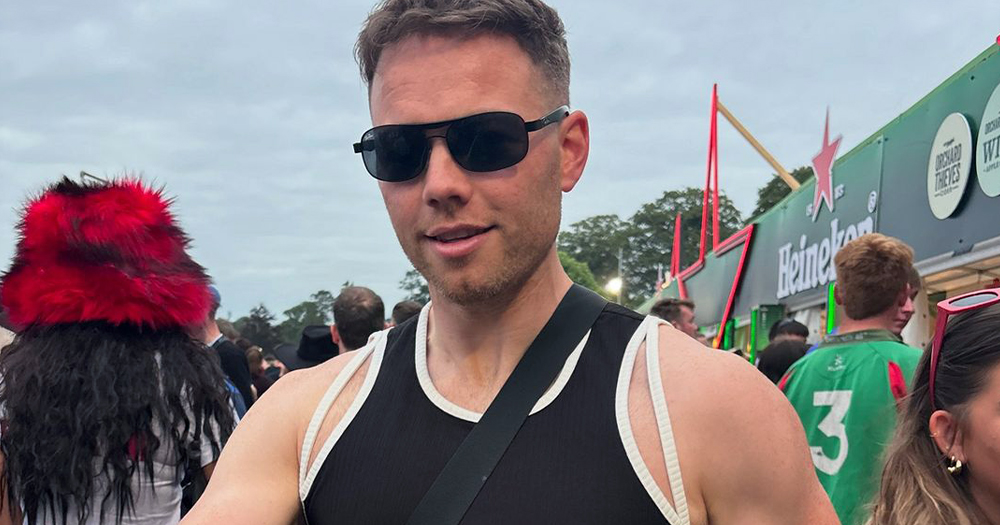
point(458, 484)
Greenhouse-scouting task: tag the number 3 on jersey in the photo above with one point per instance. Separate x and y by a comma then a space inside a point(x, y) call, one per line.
point(832, 426)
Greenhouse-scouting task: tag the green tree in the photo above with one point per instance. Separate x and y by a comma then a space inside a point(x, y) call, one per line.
point(415, 286)
point(652, 233)
point(318, 310)
point(771, 193)
point(580, 273)
point(595, 241)
point(258, 327)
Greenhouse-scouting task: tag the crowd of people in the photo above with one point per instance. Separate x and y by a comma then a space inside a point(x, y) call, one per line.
point(109, 335)
point(517, 396)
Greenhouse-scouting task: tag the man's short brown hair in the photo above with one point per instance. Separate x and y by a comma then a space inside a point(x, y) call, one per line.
point(536, 27)
point(670, 309)
point(358, 312)
point(872, 271)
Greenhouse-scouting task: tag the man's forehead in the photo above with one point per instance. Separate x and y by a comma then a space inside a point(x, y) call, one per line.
point(429, 78)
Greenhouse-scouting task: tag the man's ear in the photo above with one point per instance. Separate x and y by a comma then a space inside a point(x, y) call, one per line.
point(335, 334)
point(838, 294)
point(946, 434)
point(575, 148)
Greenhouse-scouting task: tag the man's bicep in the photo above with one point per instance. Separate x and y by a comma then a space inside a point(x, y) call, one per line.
point(256, 477)
point(767, 476)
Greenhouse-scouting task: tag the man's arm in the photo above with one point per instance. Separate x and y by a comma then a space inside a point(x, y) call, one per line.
point(234, 364)
point(753, 465)
point(256, 479)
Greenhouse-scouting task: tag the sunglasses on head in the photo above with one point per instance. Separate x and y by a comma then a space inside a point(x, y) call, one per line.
point(956, 305)
point(483, 142)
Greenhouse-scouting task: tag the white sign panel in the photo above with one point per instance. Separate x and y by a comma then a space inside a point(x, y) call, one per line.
point(988, 147)
point(949, 165)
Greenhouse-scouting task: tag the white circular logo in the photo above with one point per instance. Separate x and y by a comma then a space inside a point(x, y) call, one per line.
point(872, 201)
point(948, 167)
point(988, 147)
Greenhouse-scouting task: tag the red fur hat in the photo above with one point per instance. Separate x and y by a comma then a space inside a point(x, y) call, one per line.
point(103, 252)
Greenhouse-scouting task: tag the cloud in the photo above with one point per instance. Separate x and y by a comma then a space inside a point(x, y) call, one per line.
point(246, 110)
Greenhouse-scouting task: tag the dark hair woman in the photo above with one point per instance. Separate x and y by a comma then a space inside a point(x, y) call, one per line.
point(104, 400)
point(944, 463)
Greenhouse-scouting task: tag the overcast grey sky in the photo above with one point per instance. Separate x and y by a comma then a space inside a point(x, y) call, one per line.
point(246, 111)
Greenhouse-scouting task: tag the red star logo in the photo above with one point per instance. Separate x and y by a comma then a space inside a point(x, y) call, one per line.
point(823, 167)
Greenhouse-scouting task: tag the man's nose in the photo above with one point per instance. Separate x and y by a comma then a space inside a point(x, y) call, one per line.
point(445, 182)
point(908, 306)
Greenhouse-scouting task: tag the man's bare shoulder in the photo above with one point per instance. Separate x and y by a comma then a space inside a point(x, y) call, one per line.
point(289, 404)
point(316, 377)
point(735, 430)
point(717, 384)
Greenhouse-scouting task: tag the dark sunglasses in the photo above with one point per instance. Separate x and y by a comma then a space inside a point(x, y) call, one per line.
point(484, 142)
point(948, 307)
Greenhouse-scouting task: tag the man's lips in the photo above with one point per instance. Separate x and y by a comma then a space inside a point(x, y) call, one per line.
point(457, 241)
point(449, 234)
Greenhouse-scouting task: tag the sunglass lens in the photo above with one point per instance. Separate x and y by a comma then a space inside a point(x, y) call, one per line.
point(394, 153)
point(488, 142)
point(973, 300)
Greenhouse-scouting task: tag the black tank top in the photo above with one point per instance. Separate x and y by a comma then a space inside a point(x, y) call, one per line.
point(566, 465)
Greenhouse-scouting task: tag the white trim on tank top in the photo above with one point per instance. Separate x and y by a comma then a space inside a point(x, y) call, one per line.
point(649, 331)
point(435, 397)
point(375, 348)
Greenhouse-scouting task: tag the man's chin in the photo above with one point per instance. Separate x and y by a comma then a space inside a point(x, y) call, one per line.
point(476, 284)
point(468, 292)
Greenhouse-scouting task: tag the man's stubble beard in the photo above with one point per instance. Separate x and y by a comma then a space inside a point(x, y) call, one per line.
point(501, 280)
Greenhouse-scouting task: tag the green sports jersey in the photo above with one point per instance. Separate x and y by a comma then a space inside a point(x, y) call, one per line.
point(845, 394)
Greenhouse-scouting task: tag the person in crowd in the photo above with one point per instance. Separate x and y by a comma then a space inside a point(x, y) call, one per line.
point(678, 312)
point(479, 219)
point(274, 369)
point(315, 347)
point(241, 342)
point(846, 392)
point(905, 314)
point(776, 358)
point(358, 313)
point(106, 400)
point(255, 361)
point(229, 331)
point(788, 329)
point(943, 465)
point(231, 357)
point(405, 310)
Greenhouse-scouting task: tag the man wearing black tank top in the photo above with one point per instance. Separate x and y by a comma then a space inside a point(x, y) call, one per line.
point(640, 426)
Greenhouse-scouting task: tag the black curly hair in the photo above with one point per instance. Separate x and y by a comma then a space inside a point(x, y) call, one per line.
point(82, 405)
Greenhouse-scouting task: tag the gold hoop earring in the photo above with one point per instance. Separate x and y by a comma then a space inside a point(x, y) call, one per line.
point(956, 466)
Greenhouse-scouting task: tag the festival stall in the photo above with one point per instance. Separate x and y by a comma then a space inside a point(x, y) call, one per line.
point(930, 177)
